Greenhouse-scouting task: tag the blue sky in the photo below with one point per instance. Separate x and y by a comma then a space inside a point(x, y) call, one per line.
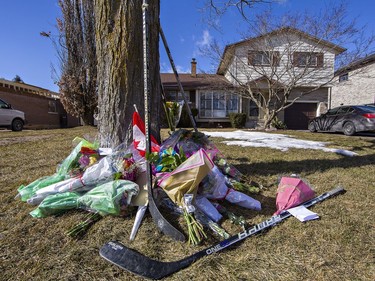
point(25, 53)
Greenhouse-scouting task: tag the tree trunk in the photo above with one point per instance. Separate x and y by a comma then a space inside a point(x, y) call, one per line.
point(120, 67)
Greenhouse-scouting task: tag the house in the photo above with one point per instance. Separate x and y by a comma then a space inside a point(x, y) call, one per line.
point(274, 62)
point(284, 67)
point(208, 93)
point(355, 83)
point(42, 108)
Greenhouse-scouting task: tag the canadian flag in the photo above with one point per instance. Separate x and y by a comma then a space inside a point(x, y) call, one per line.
point(139, 138)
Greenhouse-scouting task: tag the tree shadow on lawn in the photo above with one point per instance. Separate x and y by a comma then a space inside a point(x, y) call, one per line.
point(306, 166)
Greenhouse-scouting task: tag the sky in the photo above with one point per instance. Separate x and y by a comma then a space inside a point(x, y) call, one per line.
point(25, 53)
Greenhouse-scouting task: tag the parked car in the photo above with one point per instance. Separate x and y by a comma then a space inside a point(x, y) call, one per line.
point(11, 118)
point(346, 119)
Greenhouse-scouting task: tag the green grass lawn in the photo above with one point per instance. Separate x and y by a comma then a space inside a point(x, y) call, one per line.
point(338, 246)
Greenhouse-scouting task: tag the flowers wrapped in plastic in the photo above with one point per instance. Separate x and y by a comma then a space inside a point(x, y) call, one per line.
point(174, 110)
point(118, 165)
point(110, 198)
point(292, 191)
point(63, 170)
point(181, 186)
point(214, 186)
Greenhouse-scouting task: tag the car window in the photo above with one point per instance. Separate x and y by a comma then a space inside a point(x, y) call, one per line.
point(342, 110)
point(3, 104)
point(332, 111)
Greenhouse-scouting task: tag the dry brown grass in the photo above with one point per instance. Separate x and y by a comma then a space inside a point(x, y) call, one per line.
point(338, 246)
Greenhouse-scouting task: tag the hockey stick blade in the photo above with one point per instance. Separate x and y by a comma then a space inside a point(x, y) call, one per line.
point(162, 222)
point(137, 263)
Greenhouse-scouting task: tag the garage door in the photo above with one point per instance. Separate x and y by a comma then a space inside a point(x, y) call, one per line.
point(298, 115)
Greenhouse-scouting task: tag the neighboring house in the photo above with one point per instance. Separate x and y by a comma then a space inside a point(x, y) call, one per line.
point(283, 58)
point(280, 53)
point(355, 83)
point(42, 108)
point(206, 92)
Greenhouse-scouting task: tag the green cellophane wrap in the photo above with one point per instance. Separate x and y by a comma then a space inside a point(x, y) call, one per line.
point(106, 199)
point(29, 190)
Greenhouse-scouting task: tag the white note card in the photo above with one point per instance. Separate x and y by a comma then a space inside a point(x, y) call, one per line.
point(302, 213)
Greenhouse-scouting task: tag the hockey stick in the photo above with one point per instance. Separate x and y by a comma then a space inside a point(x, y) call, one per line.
point(135, 262)
point(158, 218)
point(181, 89)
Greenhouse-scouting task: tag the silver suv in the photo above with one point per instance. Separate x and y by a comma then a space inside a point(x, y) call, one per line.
point(11, 118)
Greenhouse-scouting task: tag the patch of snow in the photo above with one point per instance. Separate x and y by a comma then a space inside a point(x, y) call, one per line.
point(276, 141)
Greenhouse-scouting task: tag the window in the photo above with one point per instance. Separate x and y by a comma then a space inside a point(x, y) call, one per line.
point(52, 108)
point(265, 58)
point(174, 96)
point(344, 77)
point(306, 59)
point(253, 109)
point(332, 111)
point(217, 104)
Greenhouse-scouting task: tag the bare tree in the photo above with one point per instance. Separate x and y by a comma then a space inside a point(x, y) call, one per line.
point(78, 58)
point(120, 67)
point(284, 59)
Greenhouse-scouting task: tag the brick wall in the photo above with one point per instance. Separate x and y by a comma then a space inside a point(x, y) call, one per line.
point(39, 110)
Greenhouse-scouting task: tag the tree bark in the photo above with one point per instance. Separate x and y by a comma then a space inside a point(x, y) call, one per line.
point(120, 67)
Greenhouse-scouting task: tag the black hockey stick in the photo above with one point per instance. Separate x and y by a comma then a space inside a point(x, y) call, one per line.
point(135, 262)
point(158, 218)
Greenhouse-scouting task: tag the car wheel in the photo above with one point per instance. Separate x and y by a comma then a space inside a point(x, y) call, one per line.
point(17, 125)
point(349, 128)
point(312, 127)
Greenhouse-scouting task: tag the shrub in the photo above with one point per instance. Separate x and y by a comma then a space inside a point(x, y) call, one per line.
point(278, 124)
point(237, 120)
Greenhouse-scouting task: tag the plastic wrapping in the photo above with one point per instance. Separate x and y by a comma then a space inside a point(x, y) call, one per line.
point(99, 173)
point(62, 173)
point(106, 199)
point(207, 208)
point(214, 186)
point(292, 191)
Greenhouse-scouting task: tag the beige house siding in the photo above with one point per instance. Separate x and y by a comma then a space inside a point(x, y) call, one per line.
point(238, 67)
point(358, 89)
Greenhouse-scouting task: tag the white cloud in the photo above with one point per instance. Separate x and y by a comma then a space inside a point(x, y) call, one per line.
point(166, 68)
point(205, 39)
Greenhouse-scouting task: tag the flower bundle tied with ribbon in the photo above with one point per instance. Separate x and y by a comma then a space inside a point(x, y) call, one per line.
point(181, 186)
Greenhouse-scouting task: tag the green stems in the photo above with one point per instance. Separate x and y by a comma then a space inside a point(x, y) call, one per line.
point(195, 229)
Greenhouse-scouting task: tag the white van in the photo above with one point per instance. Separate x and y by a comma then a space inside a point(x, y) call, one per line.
point(11, 118)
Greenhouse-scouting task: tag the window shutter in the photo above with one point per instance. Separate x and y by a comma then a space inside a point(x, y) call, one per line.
point(320, 59)
point(250, 58)
point(276, 58)
point(295, 58)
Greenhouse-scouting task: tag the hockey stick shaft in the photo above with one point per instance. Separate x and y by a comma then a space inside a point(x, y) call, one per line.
point(181, 89)
point(139, 264)
point(160, 221)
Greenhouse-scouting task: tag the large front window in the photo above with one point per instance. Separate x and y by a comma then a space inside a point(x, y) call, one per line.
point(217, 104)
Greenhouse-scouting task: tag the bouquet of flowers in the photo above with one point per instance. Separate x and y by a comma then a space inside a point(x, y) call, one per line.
point(174, 113)
point(214, 186)
point(118, 165)
point(110, 198)
point(63, 170)
point(181, 187)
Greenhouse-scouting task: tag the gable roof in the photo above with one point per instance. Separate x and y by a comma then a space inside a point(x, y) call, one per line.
point(189, 82)
point(367, 60)
point(229, 49)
